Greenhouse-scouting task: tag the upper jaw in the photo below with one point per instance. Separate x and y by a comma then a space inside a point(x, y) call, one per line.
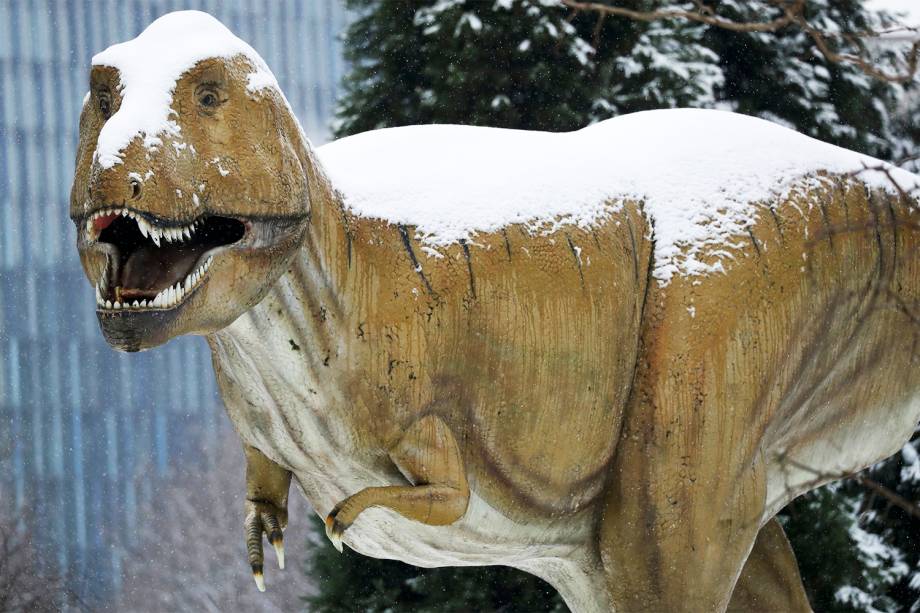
point(149, 225)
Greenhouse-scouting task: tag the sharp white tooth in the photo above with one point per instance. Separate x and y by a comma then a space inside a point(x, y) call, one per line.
point(98, 296)
point(108, 304)
point(167, 234)
point(117, 305)
point(131, 214)
point(157, 301)
point(188, 283)
point(144, 303)
point(123, 213)
point(187, 233)
point(170, 296)
point(142, 225)
point(155, 236)
point(136, 304)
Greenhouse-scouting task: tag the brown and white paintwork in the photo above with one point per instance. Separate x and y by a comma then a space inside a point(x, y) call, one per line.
point(628, 441)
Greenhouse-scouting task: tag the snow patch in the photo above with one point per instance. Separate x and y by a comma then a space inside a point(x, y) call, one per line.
point(698, 172)
point(149, 67)
point(910, 471)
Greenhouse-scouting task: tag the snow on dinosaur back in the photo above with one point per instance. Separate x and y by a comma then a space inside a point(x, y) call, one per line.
point(698, 172)
point(149, 67)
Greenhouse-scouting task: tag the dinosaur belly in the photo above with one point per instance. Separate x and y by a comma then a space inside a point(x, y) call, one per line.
point(275, 411)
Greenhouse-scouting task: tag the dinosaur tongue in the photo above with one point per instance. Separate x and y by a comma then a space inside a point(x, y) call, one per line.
point(153, 258)
point(150, 269)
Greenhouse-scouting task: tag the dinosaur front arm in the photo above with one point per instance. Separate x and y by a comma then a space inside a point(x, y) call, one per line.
point(429, 457)
point(267, 487)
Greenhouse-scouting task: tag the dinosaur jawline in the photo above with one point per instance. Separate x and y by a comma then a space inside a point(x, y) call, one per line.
point(156, 265)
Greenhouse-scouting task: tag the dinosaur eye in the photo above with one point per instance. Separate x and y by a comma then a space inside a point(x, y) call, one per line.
point(208, 97)
point(105, 103)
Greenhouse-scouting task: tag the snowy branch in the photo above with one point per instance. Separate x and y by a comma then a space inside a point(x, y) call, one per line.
point(792, 15)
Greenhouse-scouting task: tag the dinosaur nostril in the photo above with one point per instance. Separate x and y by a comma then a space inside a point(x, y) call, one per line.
point(135, 189)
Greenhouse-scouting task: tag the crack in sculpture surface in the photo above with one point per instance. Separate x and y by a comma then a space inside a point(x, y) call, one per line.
point(534, 399)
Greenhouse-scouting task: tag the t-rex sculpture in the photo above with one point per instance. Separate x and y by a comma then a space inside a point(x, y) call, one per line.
point(607, 357)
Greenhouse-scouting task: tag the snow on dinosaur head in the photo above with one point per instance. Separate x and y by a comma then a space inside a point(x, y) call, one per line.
point(190, 190)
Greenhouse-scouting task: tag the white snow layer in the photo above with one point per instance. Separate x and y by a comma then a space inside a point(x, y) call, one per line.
point(149, 67)
point(698, 172)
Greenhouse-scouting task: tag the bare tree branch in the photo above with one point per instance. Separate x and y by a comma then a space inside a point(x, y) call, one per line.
point(793, 14)
point(893, 497)
point(704, 14)
point(909, 507)
point(863, 62)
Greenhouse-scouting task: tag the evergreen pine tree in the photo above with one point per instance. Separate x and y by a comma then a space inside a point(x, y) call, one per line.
point(502, 63)
point(889, 533)
point(531, 64)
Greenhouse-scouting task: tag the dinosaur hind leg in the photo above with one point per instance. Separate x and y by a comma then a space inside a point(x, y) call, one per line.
point(770, 580)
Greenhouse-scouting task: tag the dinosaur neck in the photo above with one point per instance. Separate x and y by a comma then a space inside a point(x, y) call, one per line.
point(302, 320)
point(287, 350)
point(327, 244)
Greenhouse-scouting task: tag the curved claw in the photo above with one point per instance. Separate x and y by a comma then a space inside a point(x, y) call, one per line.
point(272, 528)
point(257, 575)
point(334, 532)
point(254, 548)
point(263, 518)
point(278, 544)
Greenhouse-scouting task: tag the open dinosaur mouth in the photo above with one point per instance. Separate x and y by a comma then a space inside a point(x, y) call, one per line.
point(154, 263)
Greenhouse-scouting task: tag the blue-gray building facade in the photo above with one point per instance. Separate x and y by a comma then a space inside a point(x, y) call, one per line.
point(78, 422)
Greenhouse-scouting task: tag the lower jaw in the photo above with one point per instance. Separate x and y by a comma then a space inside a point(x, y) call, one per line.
point(132, 331)
point(165, 299)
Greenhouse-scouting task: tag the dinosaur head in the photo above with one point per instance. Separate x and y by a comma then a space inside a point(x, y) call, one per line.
point(190, 192)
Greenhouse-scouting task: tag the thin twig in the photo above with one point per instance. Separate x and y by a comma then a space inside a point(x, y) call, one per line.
point(911, 508)
point(793, 14)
